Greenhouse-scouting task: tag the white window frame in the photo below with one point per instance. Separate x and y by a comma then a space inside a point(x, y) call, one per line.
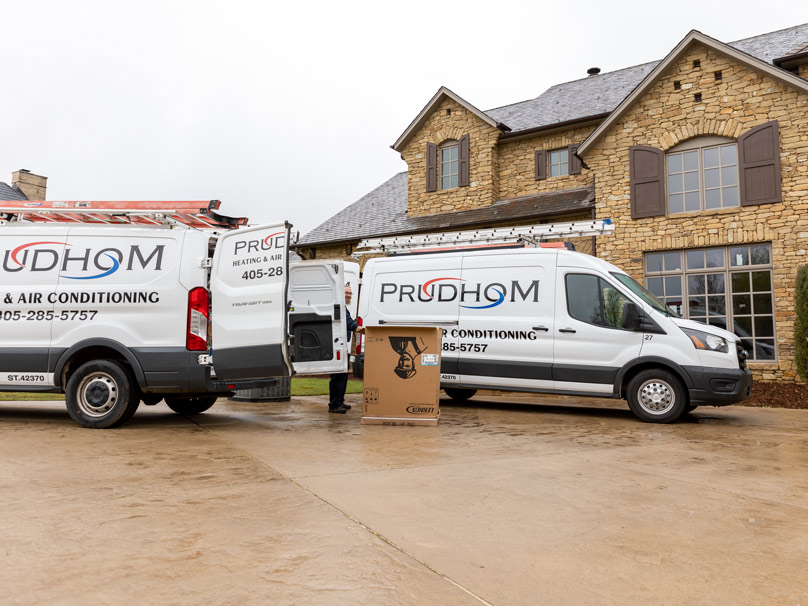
point(558, 162)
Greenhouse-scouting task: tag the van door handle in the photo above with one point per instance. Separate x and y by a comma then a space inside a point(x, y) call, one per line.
point(566, 330)
point(544, 328)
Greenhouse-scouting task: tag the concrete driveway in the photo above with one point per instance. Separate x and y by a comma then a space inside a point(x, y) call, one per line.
point(509, 500)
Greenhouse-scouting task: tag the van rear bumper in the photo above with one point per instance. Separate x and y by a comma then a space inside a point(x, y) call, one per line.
point(718, 386)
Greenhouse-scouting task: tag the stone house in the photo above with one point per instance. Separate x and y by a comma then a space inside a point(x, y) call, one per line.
point(25, 185)
point(700, 160)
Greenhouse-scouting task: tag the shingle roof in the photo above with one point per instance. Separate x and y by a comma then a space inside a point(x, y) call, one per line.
point(9, 193)
point(384, 210)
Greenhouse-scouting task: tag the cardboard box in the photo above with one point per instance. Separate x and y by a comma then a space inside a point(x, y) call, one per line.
point(402, 375)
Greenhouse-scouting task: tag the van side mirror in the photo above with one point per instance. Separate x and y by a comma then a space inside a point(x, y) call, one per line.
point(632, 319)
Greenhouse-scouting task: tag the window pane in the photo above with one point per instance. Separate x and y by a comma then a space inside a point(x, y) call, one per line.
point(761, 280)
point(675, 163)
point(583, 298)
point(715, 257)
point(675, 184)
point(673, 286)
point(729, 175)
point(673, 261)
point(716, 306)
point(692, 201)
point(691, 181)
point(654, 262)
point(555, 157)
point(695, 285)
point(691, 160)
point(743, 327)
point(759, 254)
point(555, 170)
point(764, 326)
point(715, 284)
point(697, 309)
point(676, 203)
point(446, 183)
point(739, 256)
point(729, 154)
point(719, 321)
point(741, 304)
point(712, 178)
point(655, 286)
point(712, 198)
point(710, 157)
point(613, 302)
point(763, 303)
point(730, 196)
point(695, 259)
point(740, 282)
point(764, 349)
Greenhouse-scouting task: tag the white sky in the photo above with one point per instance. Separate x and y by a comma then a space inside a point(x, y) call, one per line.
point(287, 111)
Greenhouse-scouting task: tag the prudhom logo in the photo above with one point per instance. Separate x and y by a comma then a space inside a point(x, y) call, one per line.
point(474, 295)
point(269, 243)
point(74, 263)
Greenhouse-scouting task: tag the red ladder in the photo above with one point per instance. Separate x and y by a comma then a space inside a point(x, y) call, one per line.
point(192, 214)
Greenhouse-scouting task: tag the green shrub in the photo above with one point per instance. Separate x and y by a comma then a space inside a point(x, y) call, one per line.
point(801, 323)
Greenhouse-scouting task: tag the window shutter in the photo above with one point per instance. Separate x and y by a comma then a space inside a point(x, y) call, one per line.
point(574, 161)
point(759, 165)
point(647, 180)
point(463, 156)
point(431, 167)
point(540, 160)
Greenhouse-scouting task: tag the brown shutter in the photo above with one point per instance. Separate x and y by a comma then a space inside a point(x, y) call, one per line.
point(647, 180)
point(574, 161)
point(463, 155)
point(431, 167)
point(540, 161)
point(759, 165)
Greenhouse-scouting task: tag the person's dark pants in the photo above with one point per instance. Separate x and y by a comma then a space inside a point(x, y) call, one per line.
point(337, 385)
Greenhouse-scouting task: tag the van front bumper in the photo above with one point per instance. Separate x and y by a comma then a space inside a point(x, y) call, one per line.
point(718, 386)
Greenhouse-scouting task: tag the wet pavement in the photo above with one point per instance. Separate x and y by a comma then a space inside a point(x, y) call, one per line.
point(509, 500)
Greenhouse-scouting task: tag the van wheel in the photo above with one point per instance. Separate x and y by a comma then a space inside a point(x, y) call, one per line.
point(461, 395)
point(359, 367)
point(100, 395)
point(191, 406)
point(656, 396)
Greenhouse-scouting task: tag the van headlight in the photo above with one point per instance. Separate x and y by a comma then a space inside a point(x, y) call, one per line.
point(704, 340)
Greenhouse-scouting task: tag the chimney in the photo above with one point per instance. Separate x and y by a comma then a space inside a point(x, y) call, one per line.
point(33, 186)
point(593, 71)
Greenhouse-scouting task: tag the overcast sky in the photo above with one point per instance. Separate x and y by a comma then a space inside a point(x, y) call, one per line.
point(288, 110)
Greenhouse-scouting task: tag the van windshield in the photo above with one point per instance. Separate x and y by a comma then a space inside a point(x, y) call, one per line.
point(639, 290)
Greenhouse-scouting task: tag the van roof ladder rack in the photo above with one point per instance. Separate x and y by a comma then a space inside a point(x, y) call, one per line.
point(531, 235)
point(189, 214)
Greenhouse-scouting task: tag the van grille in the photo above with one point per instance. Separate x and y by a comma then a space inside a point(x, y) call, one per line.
point(742, 355)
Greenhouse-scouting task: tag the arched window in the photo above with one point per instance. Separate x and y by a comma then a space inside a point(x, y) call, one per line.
point(702, 174)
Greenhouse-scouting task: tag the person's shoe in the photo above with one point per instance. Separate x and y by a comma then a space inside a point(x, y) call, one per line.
point(340, 410)
point(346, 406)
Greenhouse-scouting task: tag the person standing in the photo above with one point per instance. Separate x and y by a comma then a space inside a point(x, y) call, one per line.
point(338, 382)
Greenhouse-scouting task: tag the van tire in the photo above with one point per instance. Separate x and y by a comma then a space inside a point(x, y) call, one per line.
point(359, 367)
point(458, 394)
point(191, 406)
point(100, 394)
point(656, 396)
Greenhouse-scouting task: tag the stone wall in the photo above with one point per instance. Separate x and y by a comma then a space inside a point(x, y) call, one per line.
point(450, 121)
point(741, 99)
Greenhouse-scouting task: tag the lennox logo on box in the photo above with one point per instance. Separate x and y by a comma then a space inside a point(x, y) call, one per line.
point(418, 410)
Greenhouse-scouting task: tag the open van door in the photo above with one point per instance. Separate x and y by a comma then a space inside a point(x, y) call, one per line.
point(248, 303)
point(317, 331)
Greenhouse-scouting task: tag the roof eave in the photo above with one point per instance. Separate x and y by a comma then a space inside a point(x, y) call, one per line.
point(548, 128)
point(694, 36)
point(429, 108)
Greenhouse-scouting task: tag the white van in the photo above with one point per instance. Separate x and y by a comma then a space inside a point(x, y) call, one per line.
point(113, 315)
point(551, 320)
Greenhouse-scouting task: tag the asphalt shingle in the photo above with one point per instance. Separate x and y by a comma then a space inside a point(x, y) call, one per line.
point(9, 193)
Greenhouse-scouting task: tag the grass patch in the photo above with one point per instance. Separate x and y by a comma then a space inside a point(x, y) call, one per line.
point(29, 395)
point(319, 387)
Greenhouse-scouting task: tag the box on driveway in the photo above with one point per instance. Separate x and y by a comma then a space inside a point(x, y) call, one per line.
point(402, 375)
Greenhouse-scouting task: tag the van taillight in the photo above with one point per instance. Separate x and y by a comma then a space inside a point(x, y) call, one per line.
point(196, 339)
point(358, 338)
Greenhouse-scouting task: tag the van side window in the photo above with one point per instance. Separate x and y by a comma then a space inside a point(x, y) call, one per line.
point(592, 300)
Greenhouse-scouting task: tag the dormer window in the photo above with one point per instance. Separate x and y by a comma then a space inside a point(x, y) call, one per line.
point(448, 154)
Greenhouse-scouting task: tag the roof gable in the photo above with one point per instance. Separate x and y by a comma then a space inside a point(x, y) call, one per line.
point(421, 118)
point(694, 37)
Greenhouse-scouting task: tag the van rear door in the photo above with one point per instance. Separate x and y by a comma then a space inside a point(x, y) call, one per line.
point(317, 330)
point(248, 303)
